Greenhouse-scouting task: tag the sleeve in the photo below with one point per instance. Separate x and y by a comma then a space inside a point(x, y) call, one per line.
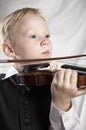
point(61, 120)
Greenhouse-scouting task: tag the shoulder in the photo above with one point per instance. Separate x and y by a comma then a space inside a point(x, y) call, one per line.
point(3, 82)
point(2, 76)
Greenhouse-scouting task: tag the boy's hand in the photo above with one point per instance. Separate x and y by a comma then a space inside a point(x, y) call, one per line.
point(64, 88)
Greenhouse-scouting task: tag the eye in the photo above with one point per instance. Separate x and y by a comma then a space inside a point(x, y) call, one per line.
point(47, 36)
point(33, 36)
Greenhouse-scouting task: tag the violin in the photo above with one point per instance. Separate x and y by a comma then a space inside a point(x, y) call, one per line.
point(44, 77)
point(34, 73)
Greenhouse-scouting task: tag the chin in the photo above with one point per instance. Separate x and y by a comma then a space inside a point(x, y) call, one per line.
point(46, 57)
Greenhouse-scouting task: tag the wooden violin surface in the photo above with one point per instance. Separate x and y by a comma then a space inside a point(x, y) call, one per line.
point(38, 79)
point(43, 78)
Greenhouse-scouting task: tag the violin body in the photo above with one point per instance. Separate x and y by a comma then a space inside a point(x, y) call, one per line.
point(38, 79)
point(44, 78)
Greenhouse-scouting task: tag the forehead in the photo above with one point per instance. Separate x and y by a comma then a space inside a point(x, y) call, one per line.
point(31, 21)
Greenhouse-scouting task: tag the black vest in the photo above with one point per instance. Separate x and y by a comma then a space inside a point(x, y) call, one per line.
point(24, 110)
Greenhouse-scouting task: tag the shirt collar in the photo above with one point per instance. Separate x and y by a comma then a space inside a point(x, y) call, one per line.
point(11, 71)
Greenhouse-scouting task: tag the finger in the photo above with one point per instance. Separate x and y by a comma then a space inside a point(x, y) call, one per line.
point(73, 78)
point(67, 75)
point(60, 76)
point(81, 91)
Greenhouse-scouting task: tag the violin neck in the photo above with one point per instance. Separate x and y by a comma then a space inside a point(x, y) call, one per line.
point(80, 70)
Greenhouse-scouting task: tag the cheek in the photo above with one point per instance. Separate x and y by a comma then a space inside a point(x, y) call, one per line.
point(50, 48)
point(28, 52)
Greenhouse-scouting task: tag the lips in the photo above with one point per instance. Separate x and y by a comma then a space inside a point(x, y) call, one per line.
point(46, 52)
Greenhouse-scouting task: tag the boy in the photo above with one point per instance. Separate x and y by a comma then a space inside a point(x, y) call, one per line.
point(25, 35)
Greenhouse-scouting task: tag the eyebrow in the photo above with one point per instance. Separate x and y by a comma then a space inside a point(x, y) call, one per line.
point(26, 31)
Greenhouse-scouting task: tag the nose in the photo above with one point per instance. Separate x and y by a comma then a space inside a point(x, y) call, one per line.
point(44, 42)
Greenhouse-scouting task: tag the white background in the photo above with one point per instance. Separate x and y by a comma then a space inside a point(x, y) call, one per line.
point(67, 22)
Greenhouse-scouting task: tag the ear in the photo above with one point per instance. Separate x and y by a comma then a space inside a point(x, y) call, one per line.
point(7, 49)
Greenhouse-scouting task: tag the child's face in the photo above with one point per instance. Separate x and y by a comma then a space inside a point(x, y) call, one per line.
point(31, 38)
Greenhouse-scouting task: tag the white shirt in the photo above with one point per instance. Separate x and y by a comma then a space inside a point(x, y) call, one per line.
point(59, 120)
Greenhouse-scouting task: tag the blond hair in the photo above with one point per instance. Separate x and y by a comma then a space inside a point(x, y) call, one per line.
point(8, 23)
